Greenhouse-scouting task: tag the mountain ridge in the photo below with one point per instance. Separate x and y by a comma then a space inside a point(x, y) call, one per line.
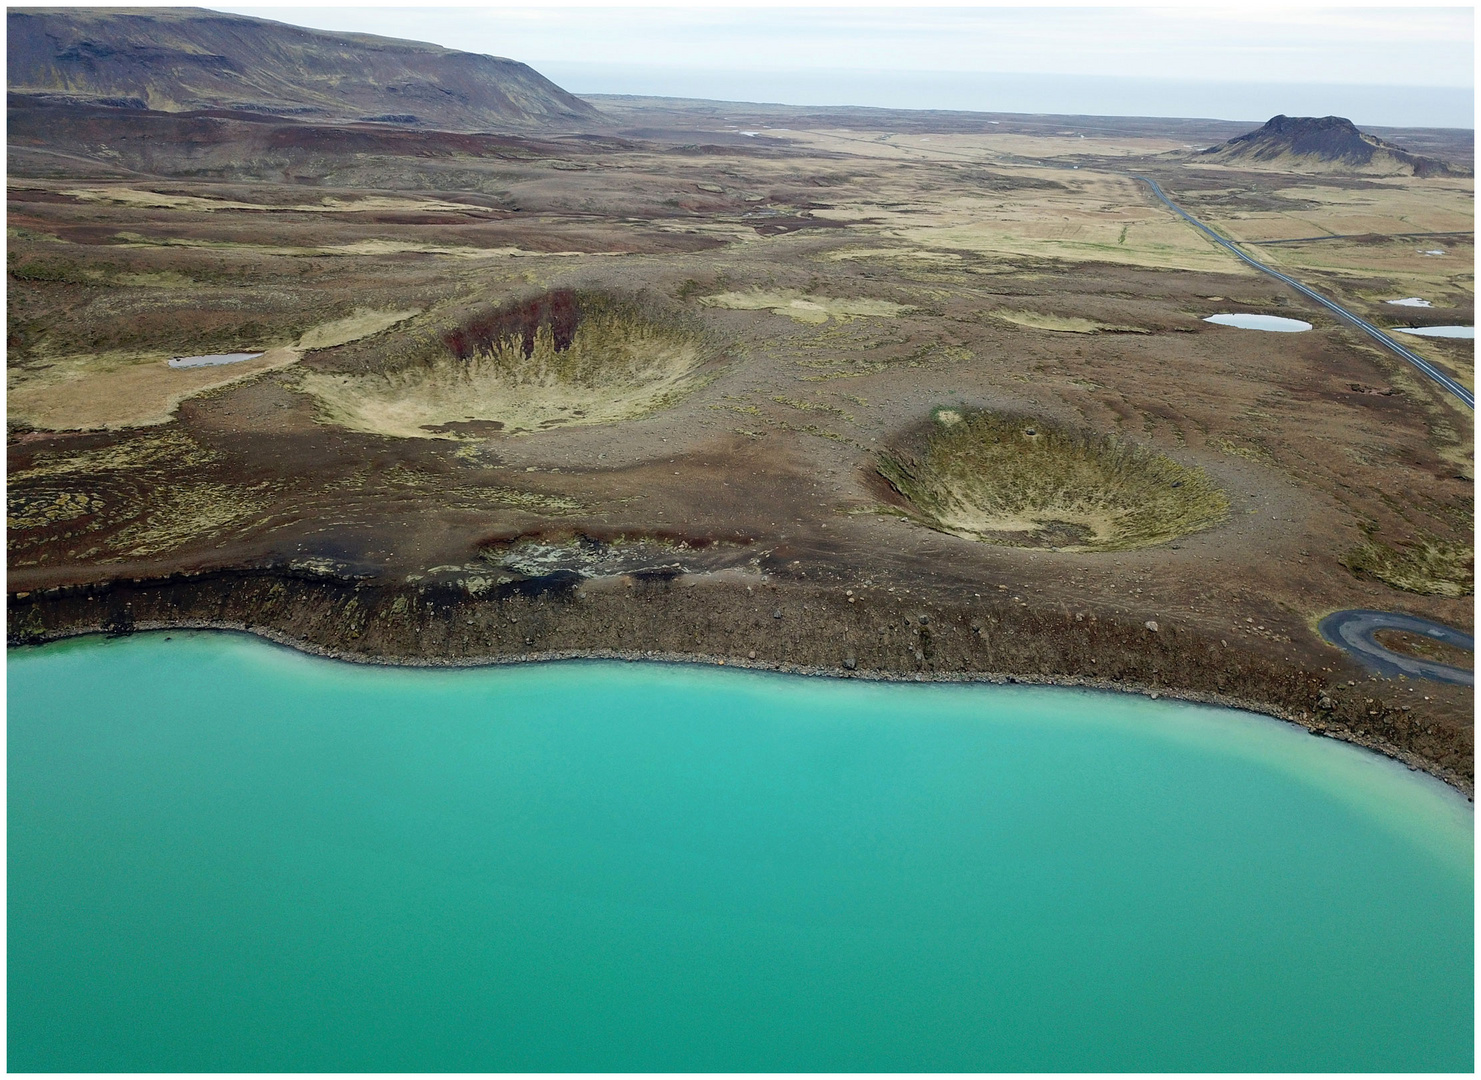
point(194, 59)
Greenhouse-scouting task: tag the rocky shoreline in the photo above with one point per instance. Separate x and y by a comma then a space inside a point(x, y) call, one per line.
point(781, 626)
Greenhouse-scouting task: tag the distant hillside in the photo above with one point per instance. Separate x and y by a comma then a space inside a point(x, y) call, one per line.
point(186, 59)
point(1324, 144)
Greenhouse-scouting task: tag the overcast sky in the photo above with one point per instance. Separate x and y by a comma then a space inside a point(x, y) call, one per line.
point(1110, 59)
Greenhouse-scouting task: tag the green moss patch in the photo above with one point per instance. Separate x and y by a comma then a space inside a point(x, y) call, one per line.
point(1429, 566)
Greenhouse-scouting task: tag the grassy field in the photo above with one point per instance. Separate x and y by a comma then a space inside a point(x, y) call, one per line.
point(95, 391)
point(1057, 213)
point(805, 309)
point(1367, 228)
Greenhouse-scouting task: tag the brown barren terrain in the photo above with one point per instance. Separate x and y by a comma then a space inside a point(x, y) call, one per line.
point(669, 389)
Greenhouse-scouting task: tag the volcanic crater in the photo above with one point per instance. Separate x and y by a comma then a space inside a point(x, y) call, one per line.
point(564, 357)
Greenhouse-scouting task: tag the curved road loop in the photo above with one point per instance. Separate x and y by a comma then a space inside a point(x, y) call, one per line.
point(1445, 381)
point(1354, 630)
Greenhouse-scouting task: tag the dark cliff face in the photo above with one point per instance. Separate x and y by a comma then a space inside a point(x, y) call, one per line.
point(185, 59)
point(815, 629)
point(1326, 140)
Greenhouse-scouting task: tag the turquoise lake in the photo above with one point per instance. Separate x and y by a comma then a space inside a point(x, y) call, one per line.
point(225, 855)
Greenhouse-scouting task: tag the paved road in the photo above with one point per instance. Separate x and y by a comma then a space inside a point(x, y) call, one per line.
point(1445, 381)
point(1353, 631)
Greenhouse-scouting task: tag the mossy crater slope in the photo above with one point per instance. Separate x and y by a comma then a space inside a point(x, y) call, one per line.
point(1011, 478)
point(563, 358)
point(1429, 565)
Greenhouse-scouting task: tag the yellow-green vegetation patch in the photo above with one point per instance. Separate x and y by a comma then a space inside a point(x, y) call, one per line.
point(1064, 324)
point(127, 499)
point(15, 232)
point(461, 251)
point(111, 390)
point(1010, 478)
point(610, 359)
point(354, 248)
point(158, 200)
point(804, 308)
point(187, 512)
point(478, 496)
point(1252, 451)
point(1431, 566)
point(896, 253)
point(169, 448)
point(93, 393)
point(35, 509)
point(362, 323)
point(812, 406)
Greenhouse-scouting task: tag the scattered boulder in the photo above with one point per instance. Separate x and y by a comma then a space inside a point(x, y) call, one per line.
point(119, 623)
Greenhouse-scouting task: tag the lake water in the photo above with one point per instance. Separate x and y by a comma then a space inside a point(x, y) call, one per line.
point(1260, 322)
point(212, 359)
point(228, 856)
point(1438, 331)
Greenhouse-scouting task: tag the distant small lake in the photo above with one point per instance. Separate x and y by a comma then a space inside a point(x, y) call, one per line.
point(1260, 322)
point(227, 856)
point(1437, 331)
point(212, 359)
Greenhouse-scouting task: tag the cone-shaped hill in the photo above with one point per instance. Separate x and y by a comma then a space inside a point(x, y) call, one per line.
point(186, 59)
point(1323, 144)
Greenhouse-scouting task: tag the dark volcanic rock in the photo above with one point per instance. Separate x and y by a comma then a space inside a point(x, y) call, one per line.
point(1326, 142)
point(190, 59)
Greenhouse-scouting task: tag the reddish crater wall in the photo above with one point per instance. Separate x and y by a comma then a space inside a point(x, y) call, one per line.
point(482, 334)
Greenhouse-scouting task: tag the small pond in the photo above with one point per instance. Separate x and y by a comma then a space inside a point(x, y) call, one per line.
point(1437, 331)
point(1260, 322)
point(212, 360)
